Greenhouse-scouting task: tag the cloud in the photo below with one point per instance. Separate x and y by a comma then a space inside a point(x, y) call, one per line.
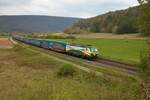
point(6, 3)
point(80, 2)
point(73, 8)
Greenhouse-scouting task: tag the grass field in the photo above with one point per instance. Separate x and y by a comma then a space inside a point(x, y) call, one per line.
point(28, 75)
point(104, 35)
point(119, 49)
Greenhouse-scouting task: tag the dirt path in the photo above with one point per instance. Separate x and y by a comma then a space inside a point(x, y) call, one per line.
point(5, 43)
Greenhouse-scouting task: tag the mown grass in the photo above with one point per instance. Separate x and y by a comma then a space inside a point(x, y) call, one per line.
point(118, 49)
point(27, 75)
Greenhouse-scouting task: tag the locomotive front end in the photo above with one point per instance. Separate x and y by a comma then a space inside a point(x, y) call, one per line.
point(93, 52)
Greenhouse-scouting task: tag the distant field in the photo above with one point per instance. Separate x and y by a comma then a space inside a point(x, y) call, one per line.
point(104, 36)
point(28, 75)
point(109, 36)
point(119, 49)
point(5, 43)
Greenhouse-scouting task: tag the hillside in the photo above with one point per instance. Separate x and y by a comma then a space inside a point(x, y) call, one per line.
point(29, 23)
point(121, 21)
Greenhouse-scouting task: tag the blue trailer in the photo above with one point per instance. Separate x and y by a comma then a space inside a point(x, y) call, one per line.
point(59, 46)
point(46, 44)
point(54, 45)
point(36, 42)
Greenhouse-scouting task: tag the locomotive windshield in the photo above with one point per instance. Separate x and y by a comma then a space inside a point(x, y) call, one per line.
point(94, 50)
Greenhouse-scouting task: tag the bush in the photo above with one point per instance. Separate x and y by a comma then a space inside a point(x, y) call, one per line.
point(143, 19)
point(51, 37)
point(70, 37)
point(145, 73)
point(66, 71)
point(145, 62)
point(75, 30)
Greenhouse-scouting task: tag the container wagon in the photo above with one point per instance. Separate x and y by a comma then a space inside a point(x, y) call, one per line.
point(71, 49)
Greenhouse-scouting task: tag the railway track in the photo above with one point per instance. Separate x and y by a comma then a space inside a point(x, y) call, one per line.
point(103, 62)
point(107, 63)
point(130, 68)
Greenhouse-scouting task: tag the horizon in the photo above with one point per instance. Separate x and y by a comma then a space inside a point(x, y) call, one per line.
point(63, 8)
point(44, 16)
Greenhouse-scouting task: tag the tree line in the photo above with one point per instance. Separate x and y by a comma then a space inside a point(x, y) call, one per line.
point(122, 21)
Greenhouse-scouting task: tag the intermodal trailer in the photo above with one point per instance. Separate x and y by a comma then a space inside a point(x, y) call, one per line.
point(46, 44)
point(36, 42)
point(54, 45)
point(26, 40)
point(59, 46)
point(18, 38)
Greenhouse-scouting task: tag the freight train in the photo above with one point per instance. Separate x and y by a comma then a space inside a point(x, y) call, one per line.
point(88, 52)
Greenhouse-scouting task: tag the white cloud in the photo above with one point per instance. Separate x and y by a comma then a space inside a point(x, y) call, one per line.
point(80, 2)
point(74, 8)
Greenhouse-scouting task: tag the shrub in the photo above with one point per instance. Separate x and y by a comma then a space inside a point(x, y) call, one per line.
point(52, 37)
point(145, 73)
point(143, 19)
point(145, 62)
point(66, 70)
point(75, 30)
point(71, 37)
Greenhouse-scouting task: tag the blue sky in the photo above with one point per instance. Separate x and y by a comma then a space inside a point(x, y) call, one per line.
point(68, 8)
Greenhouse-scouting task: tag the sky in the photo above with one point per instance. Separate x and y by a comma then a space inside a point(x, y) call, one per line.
point(67, 8)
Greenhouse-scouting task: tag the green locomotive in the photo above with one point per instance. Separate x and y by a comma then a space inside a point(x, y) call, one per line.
point(82, 51)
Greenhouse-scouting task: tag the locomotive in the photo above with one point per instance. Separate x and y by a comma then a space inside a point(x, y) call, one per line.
point(83, 51)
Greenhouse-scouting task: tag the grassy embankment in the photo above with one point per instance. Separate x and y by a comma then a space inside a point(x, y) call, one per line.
point(28, 75)
point(127, 50)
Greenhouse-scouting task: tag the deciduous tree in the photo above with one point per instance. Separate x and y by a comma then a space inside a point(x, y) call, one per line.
point(144, 17)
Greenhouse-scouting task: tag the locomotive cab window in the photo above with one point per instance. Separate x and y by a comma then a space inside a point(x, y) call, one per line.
point(94, 50)
point(88, 49)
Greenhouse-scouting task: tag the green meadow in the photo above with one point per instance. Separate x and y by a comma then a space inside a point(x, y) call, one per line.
point(28, 75)
point(118, 49)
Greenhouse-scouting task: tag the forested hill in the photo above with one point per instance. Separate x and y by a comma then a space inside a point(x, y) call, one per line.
point(30, 23)
point(121, 21)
